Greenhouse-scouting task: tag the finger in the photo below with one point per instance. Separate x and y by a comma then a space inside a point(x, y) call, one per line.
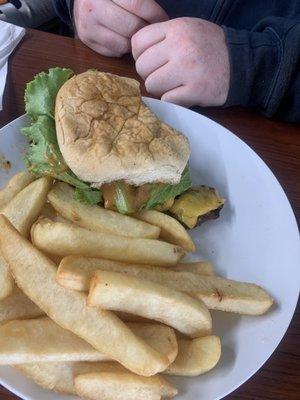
point(111, 40)
point(163, 80)
point(179, 95)
point(147, 37)
point(153, 58)
point(148, 10)
point(117, 19)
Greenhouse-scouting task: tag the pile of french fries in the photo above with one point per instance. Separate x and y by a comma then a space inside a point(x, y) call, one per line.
point(99, 304)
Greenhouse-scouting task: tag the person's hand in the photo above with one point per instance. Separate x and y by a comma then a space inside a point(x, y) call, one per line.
point(183, 61)
point(108, 25)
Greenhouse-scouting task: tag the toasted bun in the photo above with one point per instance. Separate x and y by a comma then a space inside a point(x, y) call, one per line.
point(106, 133)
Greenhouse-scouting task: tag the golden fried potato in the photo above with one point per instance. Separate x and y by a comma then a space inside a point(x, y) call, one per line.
point(35, 275)
point(59, 376)
point(49, 212)
point(17, 183)
point(119, 292)
point(25, 207)
point(75, 272)
point(42, 340)
point(171, 230)
point(97, 218)
point(65, 239)
point(197, 267)
point(122, 385)
point(18, 306)
point(6, 280)
point(196, 356)
point(216, 293)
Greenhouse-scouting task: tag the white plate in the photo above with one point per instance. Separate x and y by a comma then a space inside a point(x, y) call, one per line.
point(256, 240)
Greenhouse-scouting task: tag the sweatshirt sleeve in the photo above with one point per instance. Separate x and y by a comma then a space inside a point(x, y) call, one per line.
point(265, 67)
point(64, 10)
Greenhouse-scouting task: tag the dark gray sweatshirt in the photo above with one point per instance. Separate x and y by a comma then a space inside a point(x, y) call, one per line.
point(263, 38)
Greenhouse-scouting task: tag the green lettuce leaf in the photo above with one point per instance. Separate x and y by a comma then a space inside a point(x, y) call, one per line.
point(161, 193)
point(87, 196)
point(43, 156)
point(121, 201)
point(40, 94)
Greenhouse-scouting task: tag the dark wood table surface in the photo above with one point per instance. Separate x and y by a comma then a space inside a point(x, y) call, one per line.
point(278, 144)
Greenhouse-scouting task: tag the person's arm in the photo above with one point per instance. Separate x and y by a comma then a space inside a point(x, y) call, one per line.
point(64, 10)
point(107, 26)
point(29, 13)
point(265, 67)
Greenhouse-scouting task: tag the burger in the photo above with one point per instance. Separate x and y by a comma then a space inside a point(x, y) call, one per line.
point(94, 132)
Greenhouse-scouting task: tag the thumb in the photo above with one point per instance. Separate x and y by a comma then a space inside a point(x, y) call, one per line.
point(148, 10)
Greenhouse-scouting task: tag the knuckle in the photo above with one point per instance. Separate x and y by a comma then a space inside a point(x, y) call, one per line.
point(166, 97)
point(134, 6)
point(132, 26)
point(135, 41)
point(140, 68)
point(178, 24)
point(180, 29)
point(148, 84)
point(123, 46)
point(118, 45)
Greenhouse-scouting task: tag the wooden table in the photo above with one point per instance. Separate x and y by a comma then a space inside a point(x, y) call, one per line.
point(277, 143)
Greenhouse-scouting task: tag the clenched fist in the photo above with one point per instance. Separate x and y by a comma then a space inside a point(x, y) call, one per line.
point(108, 25)
point(183, 61)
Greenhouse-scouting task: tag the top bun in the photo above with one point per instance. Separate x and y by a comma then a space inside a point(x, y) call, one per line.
point(106, 133)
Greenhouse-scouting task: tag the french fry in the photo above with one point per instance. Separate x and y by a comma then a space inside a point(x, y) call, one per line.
point(171, 230)
point(18, 306)
point(57, 376)
point(65, 239)
point(48, 211)
point(17, 183)
point(120, 292)
point(35, 275)
point(75, 272)
point(196, 356)
point(42, 340)
point(60, 376)
point(25, 207)
point(126, 317)
point(160, 337)
point(54, 258)
point(122, 385)
point(97, 218)
point(216, 293)
point(198, 267)
point(232, 296)
point(6, 280)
